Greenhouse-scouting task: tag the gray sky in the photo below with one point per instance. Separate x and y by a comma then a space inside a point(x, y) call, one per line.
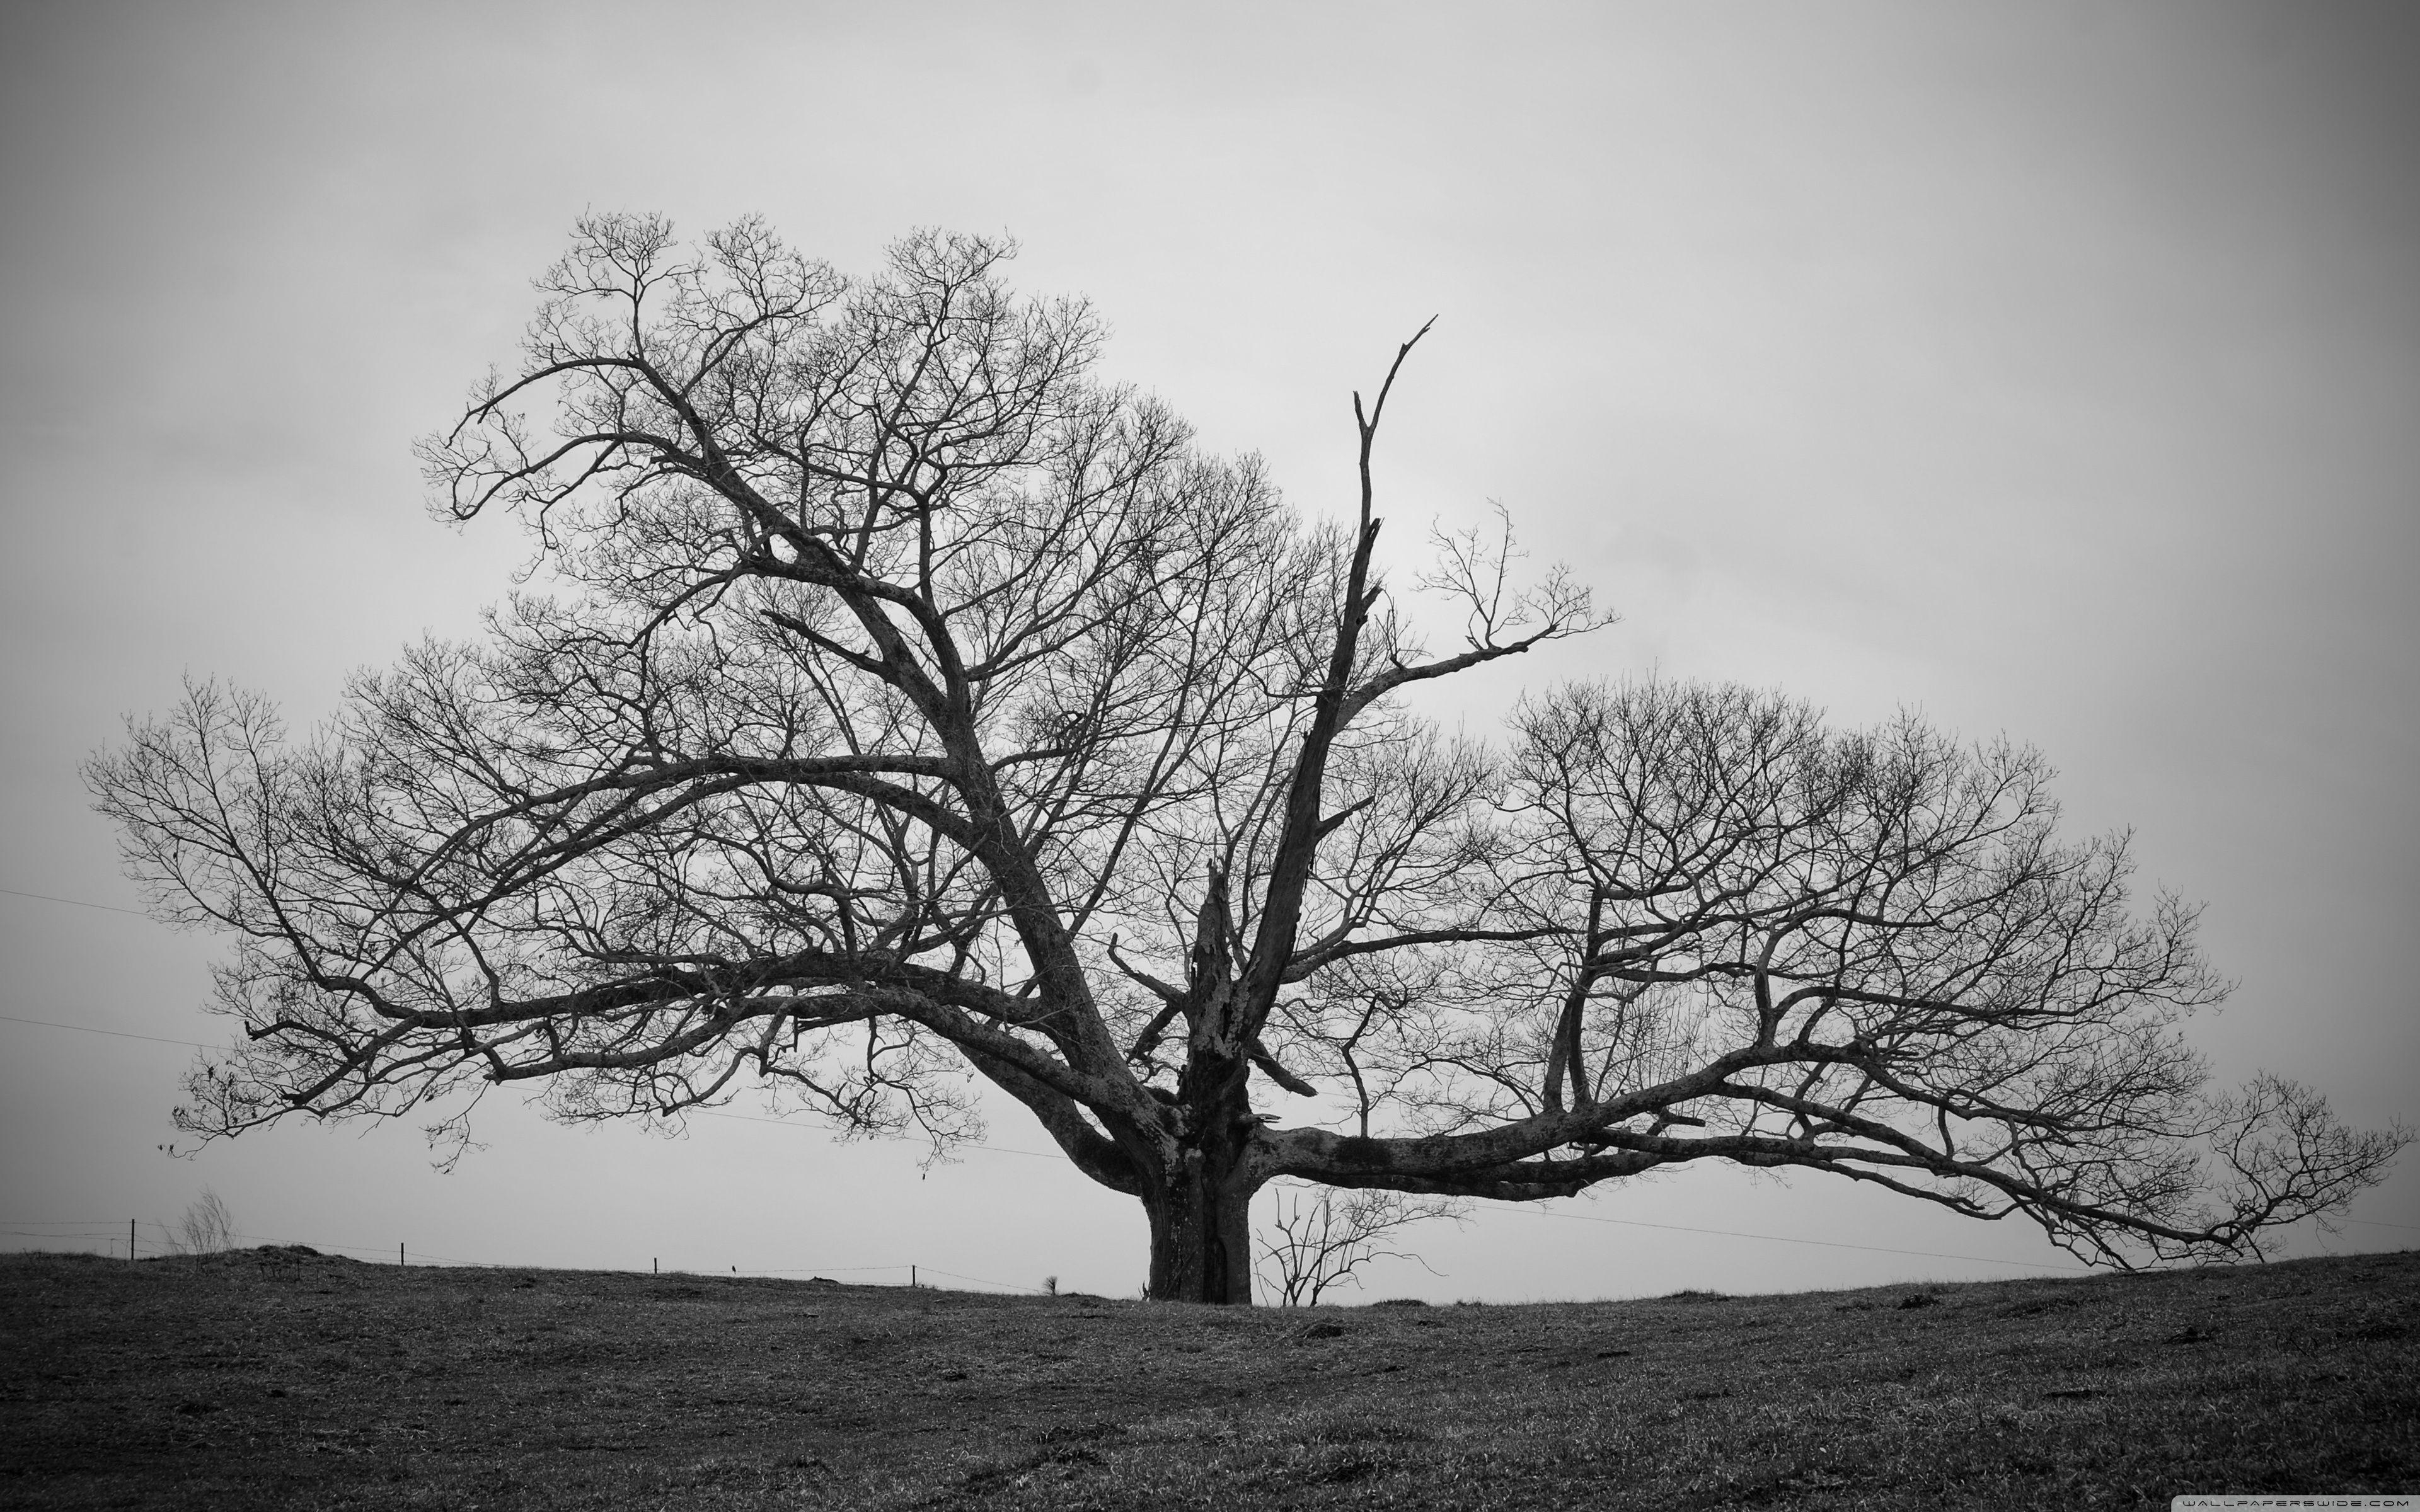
point(2051, 369)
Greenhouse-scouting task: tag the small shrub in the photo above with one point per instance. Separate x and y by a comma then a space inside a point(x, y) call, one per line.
point(206, 1228)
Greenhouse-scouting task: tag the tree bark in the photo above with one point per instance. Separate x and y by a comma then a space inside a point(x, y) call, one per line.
point(1201, 1230)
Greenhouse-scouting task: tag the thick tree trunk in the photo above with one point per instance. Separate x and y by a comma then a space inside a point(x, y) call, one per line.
point(1200, 1204)
point(1201, 1233)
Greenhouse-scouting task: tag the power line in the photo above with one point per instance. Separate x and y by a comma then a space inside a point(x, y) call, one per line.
point(115, 1034)
point(76, 902)
point(1784, 1238)
point(981, 1282)
point(701, 1113)
point(105, 1230)
point(1037, 1154)
point(898, 1139)
point(1878, 1249)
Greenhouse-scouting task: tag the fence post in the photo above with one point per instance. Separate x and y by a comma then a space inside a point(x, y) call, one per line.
point(130, 1241)
point(398, 1257)
point(911, 1278)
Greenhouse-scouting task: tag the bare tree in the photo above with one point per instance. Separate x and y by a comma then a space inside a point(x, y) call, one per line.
point(206, 1228)
point(1316, 1243)
point(894, 704)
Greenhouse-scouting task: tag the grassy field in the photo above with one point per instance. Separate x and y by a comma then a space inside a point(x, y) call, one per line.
point(272, 1379)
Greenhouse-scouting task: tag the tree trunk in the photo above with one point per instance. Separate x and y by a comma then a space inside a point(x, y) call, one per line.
point(1202, 1233)
point(1200, 1204)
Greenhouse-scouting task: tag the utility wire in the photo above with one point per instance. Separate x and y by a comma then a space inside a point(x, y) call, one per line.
point(1784, 1238)
point(1037, 1154)
point(106, 1229)
point(901, 1139)
point(981, 1282)
point(378, 1252)
point(115, 1034)
point(76, 902)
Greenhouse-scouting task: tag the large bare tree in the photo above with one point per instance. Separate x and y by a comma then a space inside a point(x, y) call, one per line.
point(894, 703)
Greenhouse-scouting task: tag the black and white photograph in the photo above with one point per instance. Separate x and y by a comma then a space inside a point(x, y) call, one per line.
point(1648, 755)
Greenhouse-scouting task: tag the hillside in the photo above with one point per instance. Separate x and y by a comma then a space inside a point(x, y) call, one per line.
point(277, 1378)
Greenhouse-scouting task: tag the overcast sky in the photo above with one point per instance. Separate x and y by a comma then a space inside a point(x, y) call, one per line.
point(2051, 369)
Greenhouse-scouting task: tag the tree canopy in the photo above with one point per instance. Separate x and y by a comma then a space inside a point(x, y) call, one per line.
point(894, 704)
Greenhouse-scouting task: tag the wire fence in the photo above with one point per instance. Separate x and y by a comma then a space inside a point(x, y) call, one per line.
point(145, 1239)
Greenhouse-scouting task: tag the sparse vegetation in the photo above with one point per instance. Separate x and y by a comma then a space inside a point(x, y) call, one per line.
point(1317, 1242)
point(206, 1228)
point(278, 1379)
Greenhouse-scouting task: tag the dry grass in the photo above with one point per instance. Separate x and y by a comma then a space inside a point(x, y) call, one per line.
point(275, 1379)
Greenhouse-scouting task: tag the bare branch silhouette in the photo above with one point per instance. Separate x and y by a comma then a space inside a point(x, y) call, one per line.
point(894, 704)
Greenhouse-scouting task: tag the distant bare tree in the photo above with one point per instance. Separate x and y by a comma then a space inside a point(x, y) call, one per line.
point(1316, 1243)
point(895, 705)
point(206, 1228)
